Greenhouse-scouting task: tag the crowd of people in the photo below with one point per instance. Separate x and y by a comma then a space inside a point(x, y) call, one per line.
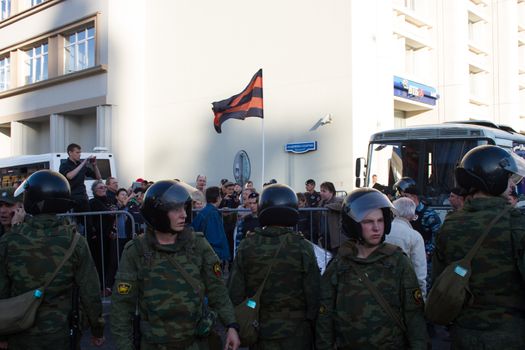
point(388, 248)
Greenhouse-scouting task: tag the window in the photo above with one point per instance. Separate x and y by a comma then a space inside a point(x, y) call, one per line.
point(4, 73)
point(5, 9)
point(410, 4)
point(36, 2)
point(79, 50)
point(36, 64)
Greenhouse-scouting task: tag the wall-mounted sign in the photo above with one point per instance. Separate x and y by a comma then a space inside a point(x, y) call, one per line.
point(301, 147)
point(415, 91)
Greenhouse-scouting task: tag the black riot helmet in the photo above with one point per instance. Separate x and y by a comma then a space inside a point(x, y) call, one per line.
point(45, 192)
point(278, 206)
point(356, 207)
point(163, 196)
point(406, 185)
point(488, 168)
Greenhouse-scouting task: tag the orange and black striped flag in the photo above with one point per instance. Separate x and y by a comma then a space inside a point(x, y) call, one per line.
point(249, 103)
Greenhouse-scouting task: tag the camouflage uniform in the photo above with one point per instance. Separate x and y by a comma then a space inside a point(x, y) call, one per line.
point(29, 254)
point(169, 307)
point(290, 299)
point(496, 319)
point(350, 317)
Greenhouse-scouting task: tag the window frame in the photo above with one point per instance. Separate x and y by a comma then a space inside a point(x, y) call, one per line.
point(5, 68)
point(8, 9)
point(43, 61)
point(85, 42)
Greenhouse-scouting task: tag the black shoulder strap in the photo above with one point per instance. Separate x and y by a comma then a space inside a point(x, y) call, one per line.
point(143, 250)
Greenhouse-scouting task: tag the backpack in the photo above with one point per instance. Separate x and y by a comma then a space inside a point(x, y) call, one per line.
point(451, 292)
point(18, 313)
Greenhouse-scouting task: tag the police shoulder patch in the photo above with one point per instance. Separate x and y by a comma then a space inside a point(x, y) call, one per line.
point(418, 296)
point(123, 288)
point(217, 269)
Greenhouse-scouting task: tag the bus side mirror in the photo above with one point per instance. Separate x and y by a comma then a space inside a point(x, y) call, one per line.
point(359, 163)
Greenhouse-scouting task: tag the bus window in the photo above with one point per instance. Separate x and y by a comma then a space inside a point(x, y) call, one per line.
point(442, 159)
point(103, 166)
point(17, 173)
point(431, 163)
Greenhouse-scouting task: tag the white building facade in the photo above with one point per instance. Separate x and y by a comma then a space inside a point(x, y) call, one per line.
point(138, 77)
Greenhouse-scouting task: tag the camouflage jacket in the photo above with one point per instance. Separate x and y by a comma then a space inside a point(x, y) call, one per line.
point(29, 254)
point(350, 317)
point(498, 269)
point(169, 307)
point(291, 293)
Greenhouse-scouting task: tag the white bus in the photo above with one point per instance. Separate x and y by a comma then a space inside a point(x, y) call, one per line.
point(14, 170)
point(430, 153)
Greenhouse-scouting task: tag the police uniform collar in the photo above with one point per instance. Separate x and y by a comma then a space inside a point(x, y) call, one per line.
point(349, 251)
point(44, 219)
point(182, 238)
point(273, 231)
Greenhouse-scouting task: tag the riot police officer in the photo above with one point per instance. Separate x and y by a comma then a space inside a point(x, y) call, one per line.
point(290, 298)
point(494, 317)
point(167, 272)
point(30, 253)
point(354, 315)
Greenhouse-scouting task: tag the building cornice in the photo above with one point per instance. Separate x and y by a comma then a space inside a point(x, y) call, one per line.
point(100, 69)
point(29, 12)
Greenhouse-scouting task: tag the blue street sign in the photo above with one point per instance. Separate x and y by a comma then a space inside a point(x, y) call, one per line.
point(301, 147)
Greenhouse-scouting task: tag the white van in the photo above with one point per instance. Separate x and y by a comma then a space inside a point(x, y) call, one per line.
point(16, 169)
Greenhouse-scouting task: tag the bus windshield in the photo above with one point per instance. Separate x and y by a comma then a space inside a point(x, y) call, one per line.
point(430, 162)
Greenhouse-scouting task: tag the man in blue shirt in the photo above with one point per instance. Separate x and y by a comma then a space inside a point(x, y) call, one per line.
point(209, 221)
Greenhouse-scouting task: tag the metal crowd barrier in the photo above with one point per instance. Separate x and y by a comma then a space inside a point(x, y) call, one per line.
point(83, 227)
point(313, 224)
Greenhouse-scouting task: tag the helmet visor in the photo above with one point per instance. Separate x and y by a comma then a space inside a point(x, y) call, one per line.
point(517, 169)
point(178, 194)
point(195, 194)
point(360, 207)
point(20, 189)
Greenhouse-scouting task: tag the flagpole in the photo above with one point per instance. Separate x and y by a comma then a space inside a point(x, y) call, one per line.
point(262, 126)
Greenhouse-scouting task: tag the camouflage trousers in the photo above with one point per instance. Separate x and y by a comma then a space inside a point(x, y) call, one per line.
point(301, 339)
point(509, 336)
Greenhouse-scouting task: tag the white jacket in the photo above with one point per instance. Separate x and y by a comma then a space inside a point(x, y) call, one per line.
point(404, 236)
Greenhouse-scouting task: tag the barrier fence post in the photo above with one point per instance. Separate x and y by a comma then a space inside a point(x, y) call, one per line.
point(103, 258)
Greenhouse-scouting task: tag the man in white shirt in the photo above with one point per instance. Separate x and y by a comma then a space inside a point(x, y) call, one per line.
point(403, 235)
